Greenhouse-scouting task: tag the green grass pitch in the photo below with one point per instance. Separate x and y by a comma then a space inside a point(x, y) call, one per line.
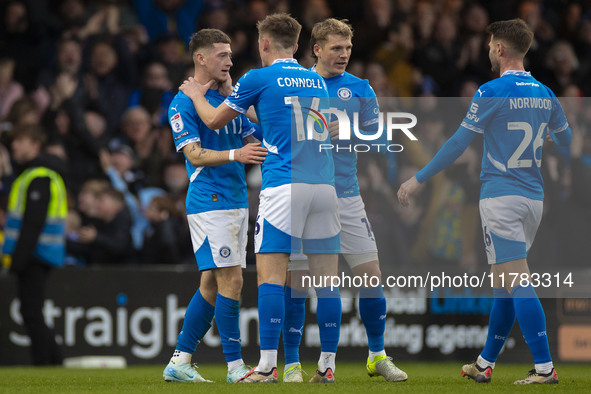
point(351, 378)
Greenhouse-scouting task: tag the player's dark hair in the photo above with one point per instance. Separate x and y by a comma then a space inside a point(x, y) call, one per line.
point(205, 38)
point(515, 32)
point(322, 30)
point(283, 30)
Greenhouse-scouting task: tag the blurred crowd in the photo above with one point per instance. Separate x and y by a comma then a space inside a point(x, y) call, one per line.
point(98, 76)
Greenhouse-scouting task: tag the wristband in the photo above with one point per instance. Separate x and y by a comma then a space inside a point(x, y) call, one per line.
point(231, 155)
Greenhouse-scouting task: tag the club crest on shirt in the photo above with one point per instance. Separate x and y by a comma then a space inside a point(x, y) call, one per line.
point(344, 93)
point(176, 122)
point(225, 252)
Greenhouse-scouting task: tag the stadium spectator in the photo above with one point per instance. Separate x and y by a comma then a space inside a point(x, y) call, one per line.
point(473, 59)
point(395, 56)
point(108, 241)
point(68, 61)
point(79, 129)
point(23, 38)
point(161, 240)
point(155, 93)
point(162, 17)
point(372, 30)
point(10, 90)
point(87, 201)
point(169, 50)
point(35, 235)
point(563, 65)
point(438, 58)
point(110, 78)
point(23, 112)
point(118, 165)
point(136, 127)
point(112, 16)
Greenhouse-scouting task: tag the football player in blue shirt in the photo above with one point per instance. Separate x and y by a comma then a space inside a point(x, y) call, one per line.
point(217, 209)
point(513, 113)
point(298, 202)
point(331, 46)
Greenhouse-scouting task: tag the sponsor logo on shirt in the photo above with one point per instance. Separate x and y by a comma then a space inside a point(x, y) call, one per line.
point(176, 122)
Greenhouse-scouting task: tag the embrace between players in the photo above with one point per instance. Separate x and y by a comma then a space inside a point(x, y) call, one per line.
point(310, 207)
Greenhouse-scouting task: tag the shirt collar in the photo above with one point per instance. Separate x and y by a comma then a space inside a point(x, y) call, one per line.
point(338, 75)
point(517, 72)
point(286, 60)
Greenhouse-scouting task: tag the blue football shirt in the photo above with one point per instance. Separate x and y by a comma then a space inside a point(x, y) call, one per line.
point(286, 97)
point(514, 113)
point(210, 188)
point(353, 95)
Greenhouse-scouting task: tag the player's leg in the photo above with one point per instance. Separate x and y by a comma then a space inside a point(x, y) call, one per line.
point(328, 315)
point(200, 311)
point(361, 254)
point(227, 318)
point(372, 310)
point(532, 321)
point(272, 245)
point(321, 243)
point(196, 323)
point(227, 240)
point(500, 323)
point(500, 225)
point(509, 225)
point(271, 276)
point(295, 315)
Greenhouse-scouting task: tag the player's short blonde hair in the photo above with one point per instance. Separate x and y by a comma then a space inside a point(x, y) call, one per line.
point(322, 30)
point(282, 29)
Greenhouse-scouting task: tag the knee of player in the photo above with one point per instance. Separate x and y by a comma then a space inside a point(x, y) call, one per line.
point(368, 269)
point(234, 281)
point(208, 287)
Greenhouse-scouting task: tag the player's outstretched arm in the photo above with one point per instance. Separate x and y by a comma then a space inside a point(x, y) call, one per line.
point(213, 117)
point(201, 157)
point(407, 189)
point(449, 152)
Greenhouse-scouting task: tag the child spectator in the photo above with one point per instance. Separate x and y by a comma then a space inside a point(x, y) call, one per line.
point(161, 241)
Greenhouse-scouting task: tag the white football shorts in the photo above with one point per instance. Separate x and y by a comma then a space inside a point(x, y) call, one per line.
point(509, 224)
point(219, 238)
point(298, 217)
point(358, 244)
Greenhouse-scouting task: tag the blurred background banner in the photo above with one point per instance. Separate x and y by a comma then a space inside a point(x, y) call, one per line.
point(137, 313)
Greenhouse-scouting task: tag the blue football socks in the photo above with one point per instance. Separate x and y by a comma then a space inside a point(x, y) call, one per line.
point(197, 321)
point(372, 308)
point(328, 315)
point(271, 315)
point(500, 323)
point(293, 325)
point(227, 312)
point(532, 322)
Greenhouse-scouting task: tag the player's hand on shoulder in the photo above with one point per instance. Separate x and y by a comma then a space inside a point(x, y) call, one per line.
point(193, 89)
point(406, 190)
point(251, 154)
